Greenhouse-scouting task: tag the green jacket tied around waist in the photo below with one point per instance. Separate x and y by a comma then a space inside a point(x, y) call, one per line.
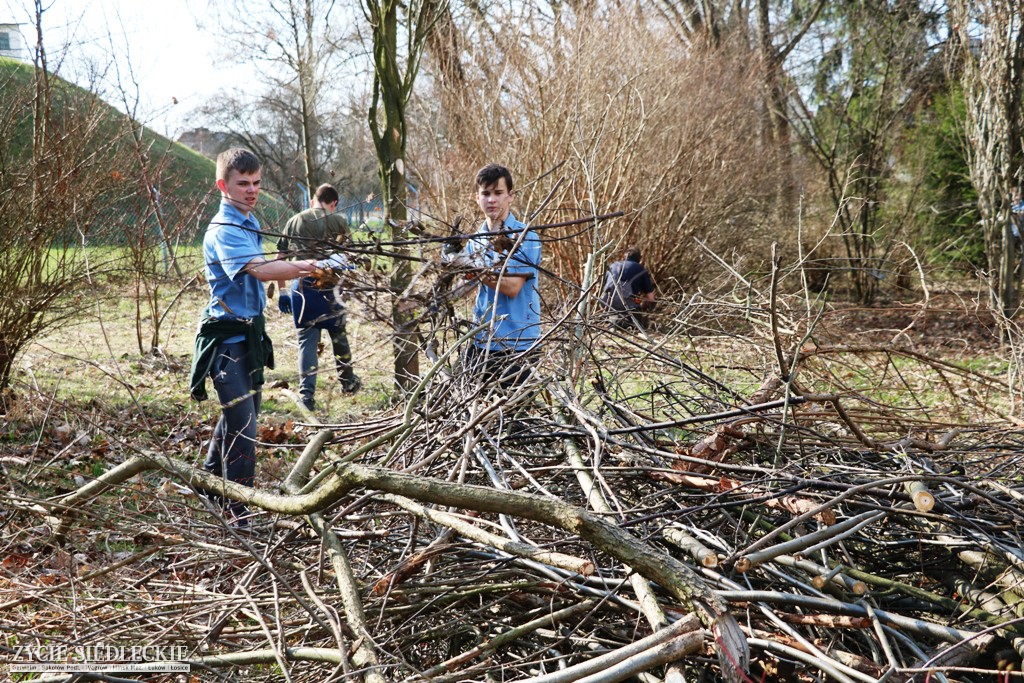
point(212, 332)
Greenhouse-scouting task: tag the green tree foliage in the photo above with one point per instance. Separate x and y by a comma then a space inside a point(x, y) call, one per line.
point(947, 218)
point(866, 86)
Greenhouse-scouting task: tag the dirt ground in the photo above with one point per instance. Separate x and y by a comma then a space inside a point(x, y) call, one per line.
point(949, 323)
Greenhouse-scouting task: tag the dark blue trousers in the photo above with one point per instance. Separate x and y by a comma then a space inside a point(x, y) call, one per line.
point(232, 451)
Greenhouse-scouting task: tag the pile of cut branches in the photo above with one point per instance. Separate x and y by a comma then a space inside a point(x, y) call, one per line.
point(690, 504)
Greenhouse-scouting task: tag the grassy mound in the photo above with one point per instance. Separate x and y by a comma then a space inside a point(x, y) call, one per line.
point(183, 178)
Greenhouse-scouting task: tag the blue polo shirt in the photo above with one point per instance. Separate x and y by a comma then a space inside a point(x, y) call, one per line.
point(231, 241)
point(515, 322)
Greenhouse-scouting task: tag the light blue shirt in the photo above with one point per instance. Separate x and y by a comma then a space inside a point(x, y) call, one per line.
point(515, 322)
point(231, 241)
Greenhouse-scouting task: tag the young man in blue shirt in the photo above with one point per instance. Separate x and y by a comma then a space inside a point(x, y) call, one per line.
point(508, 300)
point(232, 346)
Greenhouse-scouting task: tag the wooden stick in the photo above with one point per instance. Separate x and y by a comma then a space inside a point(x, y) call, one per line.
point(816, 540)
point(923, 499)
point(471, 531)
point(684, 541)
point(684, 633)
point(502, 640)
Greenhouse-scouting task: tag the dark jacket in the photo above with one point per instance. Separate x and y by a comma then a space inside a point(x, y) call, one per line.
point(212, 332)
point(626, 284)
point(311, 307)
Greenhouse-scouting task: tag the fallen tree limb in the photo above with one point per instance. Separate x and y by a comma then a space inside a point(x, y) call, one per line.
point(436, 674)
point(919, 626)
point(654, 564)
point(364, 656)
point(808, 542)
point(595, 497)
point(825, 665)
point(460, 526)
point(658, 655)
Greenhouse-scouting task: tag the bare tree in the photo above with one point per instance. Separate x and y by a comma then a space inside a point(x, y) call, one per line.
point(289, 43)
point(394, 72)
point(991, 39)
point(662, 134)
point(62, 168)
point(146, 247)
point(694, 21)
point(861, 94)
point(774, 53)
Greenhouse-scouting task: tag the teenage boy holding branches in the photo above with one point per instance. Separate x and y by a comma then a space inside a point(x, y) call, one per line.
point(508, 300)
point(232, 346)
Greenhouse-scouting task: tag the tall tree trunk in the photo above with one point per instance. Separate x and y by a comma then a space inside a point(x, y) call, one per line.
point(41, 107)
point(776, 126)
point(387, 125)
point(307, 96)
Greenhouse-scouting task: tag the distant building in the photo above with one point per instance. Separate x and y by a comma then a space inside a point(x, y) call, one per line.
point(207, 142)
point(12, 44)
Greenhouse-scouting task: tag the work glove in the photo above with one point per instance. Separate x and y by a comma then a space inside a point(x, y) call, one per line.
point(464, 261)
point(284, 301)
point(335, 261)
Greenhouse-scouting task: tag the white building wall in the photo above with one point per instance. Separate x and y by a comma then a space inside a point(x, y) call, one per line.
point(12, 43)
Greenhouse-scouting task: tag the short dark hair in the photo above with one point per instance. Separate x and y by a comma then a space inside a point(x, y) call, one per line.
point(326, 194)
point(633, 254)
point(491, 173)
point(236, 159)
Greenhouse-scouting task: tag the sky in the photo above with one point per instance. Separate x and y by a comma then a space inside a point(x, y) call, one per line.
point(169, 44)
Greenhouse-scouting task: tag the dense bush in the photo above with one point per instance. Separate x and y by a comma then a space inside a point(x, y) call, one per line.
point(630, 121)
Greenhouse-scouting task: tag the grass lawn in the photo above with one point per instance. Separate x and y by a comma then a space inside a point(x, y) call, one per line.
point(88, 377)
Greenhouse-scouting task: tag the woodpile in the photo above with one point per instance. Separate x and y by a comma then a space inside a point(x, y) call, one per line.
point(782, 505)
